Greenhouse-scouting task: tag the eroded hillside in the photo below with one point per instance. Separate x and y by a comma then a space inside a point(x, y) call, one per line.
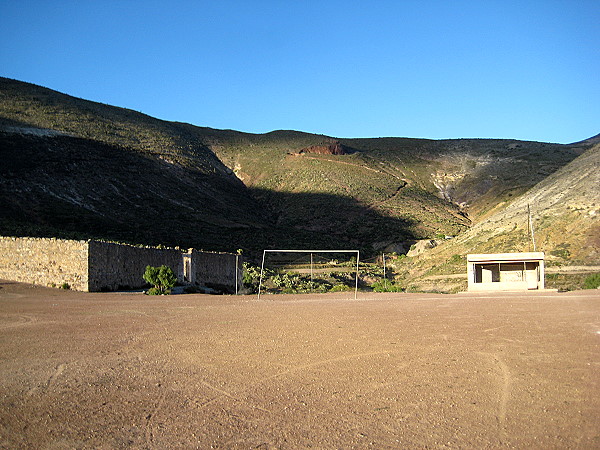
point(565, 219)
point(72, 167)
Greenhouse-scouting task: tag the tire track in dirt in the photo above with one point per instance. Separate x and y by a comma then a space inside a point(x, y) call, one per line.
point(150, 417)
point(21, 321)
point(59, 370)
point(148, 428)
point(301, 367)
point(50, 381)
point(505, 390)
point(229, 395)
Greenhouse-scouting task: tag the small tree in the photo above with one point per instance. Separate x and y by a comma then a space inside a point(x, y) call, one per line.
point(161, 278)
point(167, 277)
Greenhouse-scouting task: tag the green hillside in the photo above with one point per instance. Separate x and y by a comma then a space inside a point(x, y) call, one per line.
point(76, 168)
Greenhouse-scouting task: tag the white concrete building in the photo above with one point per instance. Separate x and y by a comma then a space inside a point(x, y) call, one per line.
point(505, 271)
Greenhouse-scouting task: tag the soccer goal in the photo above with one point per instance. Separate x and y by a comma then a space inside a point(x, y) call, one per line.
point(314, 270)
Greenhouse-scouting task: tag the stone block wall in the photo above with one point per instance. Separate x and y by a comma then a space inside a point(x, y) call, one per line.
point(45, 262)
point(216, 270)
point(120, 266)
point(105, 266)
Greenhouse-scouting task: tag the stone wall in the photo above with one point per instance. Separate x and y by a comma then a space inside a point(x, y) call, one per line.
point(216, 270)
point(45, 262)
point(106, 266)
point(120, 266)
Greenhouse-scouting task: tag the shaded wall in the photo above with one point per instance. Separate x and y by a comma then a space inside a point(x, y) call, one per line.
point(45, 262)
point(106, 266)
point(120, 266)
point(216, 270)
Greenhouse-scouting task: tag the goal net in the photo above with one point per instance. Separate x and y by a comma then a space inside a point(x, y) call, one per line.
point(305, 271)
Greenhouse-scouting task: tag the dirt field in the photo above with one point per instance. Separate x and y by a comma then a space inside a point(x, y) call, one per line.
point(385, 371)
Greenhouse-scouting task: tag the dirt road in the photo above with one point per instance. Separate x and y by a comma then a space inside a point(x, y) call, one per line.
point(118, 370)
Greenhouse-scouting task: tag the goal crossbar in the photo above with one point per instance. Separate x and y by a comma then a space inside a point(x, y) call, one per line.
point(262, 266)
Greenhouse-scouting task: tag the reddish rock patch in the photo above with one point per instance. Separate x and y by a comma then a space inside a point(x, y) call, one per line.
point(326, 149)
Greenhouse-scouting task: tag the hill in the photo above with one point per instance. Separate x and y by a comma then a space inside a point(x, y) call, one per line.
point(75, 168)
point(430, 187)
point(565, 217)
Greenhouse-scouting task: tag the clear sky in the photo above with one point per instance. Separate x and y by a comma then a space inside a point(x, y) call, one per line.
point(527, 69)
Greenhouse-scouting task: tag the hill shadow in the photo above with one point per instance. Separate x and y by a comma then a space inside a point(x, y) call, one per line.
point(325, 221)
point(76, 188)
point(79, 188)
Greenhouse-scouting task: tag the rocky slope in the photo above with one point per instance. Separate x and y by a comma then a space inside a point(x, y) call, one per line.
point(72, 167)
point(565, 212)
point(565, 218)
point(76, 168)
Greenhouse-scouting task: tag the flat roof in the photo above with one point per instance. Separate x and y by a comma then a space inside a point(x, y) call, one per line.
point(506, 257)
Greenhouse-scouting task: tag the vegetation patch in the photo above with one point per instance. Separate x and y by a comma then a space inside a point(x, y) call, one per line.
point(386, 286)
point(561, 251)
point(592, 281)
point(566, 281)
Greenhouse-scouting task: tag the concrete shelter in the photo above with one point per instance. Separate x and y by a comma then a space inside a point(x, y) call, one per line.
point(505, 271)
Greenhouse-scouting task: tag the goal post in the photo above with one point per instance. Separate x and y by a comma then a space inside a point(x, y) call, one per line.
point(311, 252)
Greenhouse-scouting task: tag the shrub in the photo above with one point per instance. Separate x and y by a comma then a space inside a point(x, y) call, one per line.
point(293, 283)
point(153, 291)
point(65, 286)
point(161, 278)
point(386, 286)
point(592, 282)
point(166, 277)
point(561, 251)
point(251, 277)
point(151, 275)
point(340, 288)
point(457, 259)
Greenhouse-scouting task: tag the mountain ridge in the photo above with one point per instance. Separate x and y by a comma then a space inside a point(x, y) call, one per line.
point(180, 184)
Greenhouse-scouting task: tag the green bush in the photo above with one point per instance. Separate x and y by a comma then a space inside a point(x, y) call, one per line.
point(457, 259)
point(386, 286)
point(167, 277)
point(286, 280)
point(293, 283)
point(251, 277)
point(151, 275)
point(592, 282)
point(340, 288)
point(561, 251)
point(161, 278)
point(566, 281)
point(153, 291)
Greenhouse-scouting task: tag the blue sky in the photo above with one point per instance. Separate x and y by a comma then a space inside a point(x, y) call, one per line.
point(434, 69)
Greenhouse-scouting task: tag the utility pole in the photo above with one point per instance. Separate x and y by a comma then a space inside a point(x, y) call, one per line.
point(311, 272)
point(384, 277)
point(530, 227)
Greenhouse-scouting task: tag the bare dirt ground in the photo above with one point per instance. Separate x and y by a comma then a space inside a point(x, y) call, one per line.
point(116, 370)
